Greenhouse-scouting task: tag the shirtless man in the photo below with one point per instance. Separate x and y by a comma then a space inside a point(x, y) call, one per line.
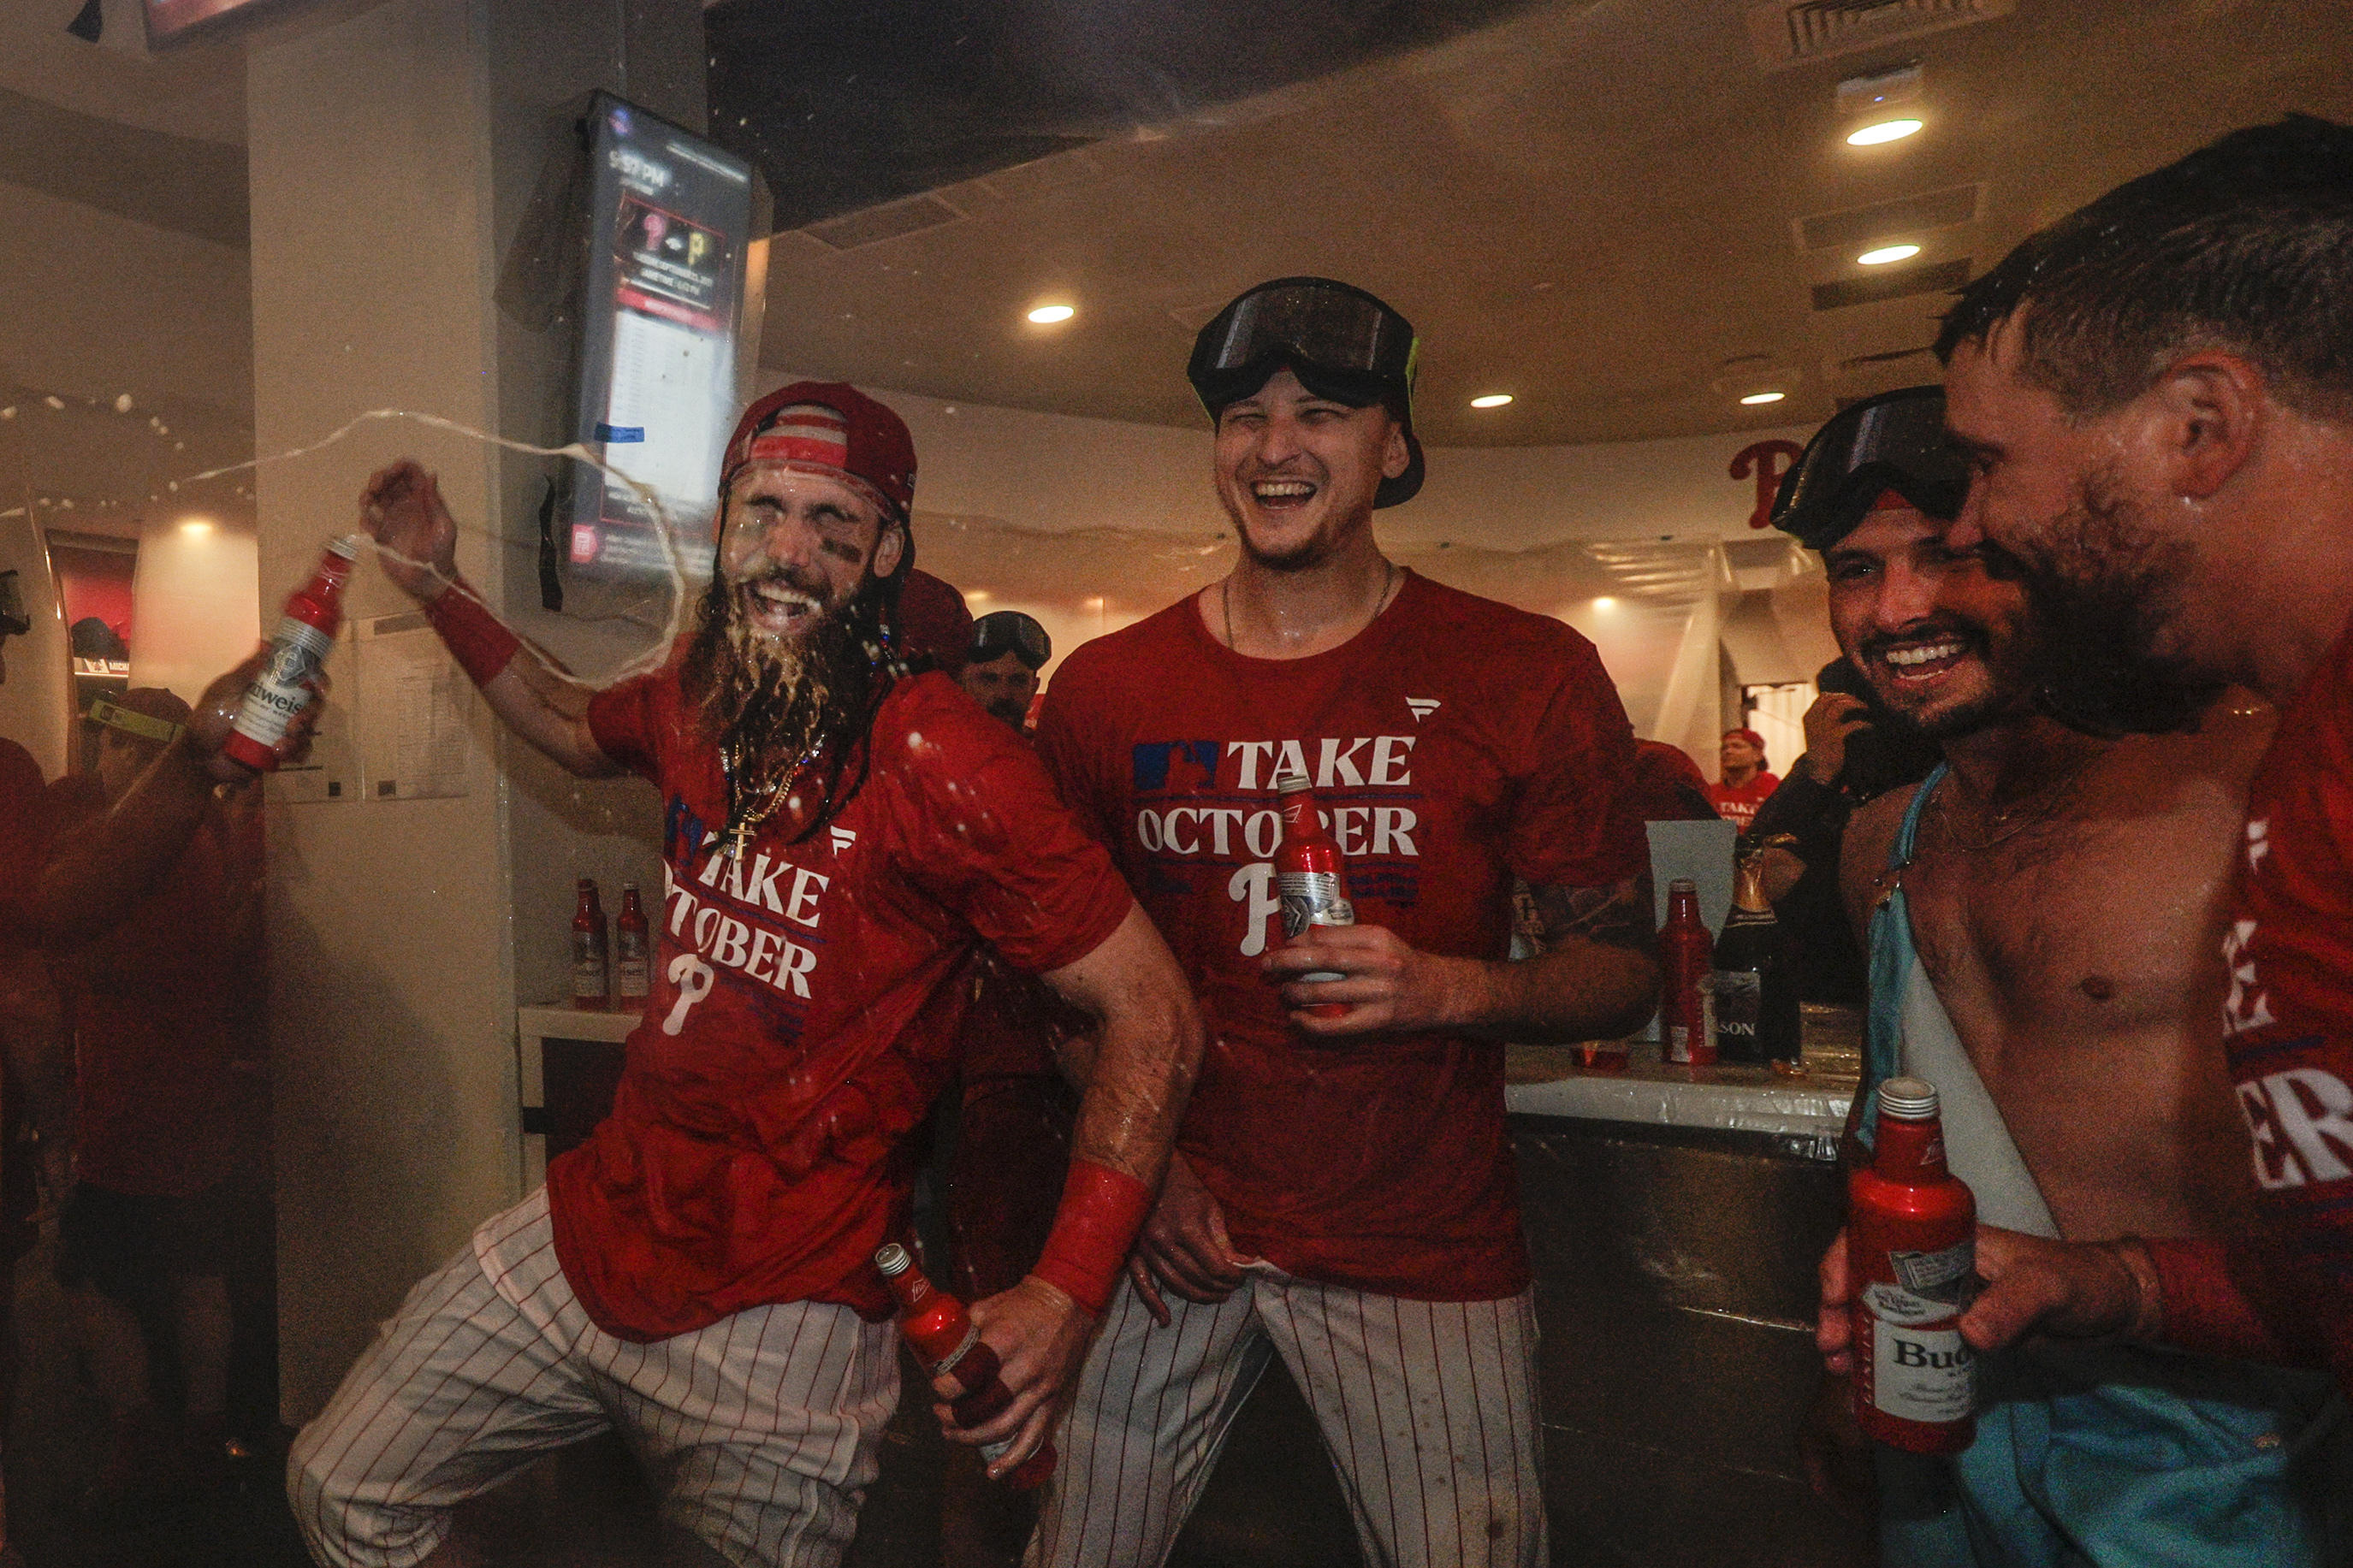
point(2039, 911)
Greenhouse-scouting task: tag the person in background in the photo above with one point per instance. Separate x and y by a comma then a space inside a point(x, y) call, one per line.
point(1668, 785)
point(146, 1226)
point(1346, 1196)
point(840, 832)
point(1744, 784)
point(1000, 673)
point(933, 621)
point(2035, 911)
point(1854, 754)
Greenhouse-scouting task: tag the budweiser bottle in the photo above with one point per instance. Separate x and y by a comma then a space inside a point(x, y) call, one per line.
point(1310, 877)
point(940, 1331)
point(1687, 1021)
point(306, 635)
point(632, 954)
point(592, 980)
point(1754, 991)
point(1911, 1260)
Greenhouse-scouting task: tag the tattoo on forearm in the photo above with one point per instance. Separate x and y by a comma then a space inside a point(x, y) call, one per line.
point(1615, 916)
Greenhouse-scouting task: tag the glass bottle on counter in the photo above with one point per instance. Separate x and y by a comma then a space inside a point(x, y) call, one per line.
point(1686, 1014)
point(632, 953)
point(1757, 1021)
point(1911, 1256)
point(592, 969)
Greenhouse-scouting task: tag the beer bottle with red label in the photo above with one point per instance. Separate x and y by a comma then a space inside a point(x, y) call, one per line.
point(632, 952)
point(1311, 878)
point(1911, 1259)
point(1686, 1017)
point(939, 1331)
point(305, 636)
point(592, 969)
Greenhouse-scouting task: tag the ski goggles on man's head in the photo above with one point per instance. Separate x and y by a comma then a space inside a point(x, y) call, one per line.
point(1894, 441)
point(1342, 343)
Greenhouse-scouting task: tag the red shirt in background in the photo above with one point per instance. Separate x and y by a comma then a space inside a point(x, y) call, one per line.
point(803, 1014)
point(1452, 743)
point(1737, 803)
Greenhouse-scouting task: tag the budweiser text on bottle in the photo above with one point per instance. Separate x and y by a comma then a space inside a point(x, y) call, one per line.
point(1310, 877)
point(591, 955)
point(940, 1331)
point(1911, 1253)
point(1686, 1019)
point(632, 952)
point(305, 636)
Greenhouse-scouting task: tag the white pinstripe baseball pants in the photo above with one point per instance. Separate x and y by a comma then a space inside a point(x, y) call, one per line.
point(1428, 1409)
point(762, 1430)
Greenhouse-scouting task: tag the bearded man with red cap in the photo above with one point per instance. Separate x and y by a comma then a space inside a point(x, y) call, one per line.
point(841, 831)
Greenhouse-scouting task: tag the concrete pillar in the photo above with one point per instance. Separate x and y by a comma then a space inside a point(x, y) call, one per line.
point(391, 154)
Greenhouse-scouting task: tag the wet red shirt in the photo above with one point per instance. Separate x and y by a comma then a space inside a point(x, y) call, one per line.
point(1453, 743)
point(2289, 1018)
point(802, 1014)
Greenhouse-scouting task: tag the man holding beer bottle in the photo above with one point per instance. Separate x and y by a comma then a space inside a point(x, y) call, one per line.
point(1345, 1196)
point(2035, 911)
point(839, 832)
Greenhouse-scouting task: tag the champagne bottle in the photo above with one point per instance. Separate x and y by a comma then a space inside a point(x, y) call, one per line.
point(1757, 1019)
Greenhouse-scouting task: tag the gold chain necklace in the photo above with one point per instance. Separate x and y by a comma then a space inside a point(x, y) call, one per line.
point(2047, 799)
point(1388, 591)
point(749, 807)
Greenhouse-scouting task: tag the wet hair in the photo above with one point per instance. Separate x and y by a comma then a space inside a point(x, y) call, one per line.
point(2246, 245)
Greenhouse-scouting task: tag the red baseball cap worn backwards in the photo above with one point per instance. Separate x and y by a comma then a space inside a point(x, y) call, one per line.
point(831, 428)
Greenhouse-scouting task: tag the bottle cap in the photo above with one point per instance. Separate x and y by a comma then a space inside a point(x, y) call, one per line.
point(1290, 784)
point(348, 545)
point(1682, 884)
point(890, 1260)
point(1907, 1099)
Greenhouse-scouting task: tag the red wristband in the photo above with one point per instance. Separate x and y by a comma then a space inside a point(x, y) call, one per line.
point(478, 641)
point(1101, 1211)
point(2204, 1308)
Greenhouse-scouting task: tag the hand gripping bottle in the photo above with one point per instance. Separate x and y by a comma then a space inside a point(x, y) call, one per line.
point(1686, 1016)
point(1310, 877)
point(305, 636)
point(1911, 1259)
point(632, 953)
point(592, 966)
point(940, 1331)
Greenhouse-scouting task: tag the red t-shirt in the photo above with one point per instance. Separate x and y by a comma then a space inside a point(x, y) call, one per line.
point(156, 1099)
point(1737, 803)
point(1453, 743)
point(2289, 1018)
point(801, 1019)
point(24, 835)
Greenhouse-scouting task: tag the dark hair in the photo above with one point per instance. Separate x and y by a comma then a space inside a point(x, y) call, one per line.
point(2245, 244)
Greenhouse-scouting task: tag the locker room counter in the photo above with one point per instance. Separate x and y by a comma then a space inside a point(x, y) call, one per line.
point(1808, 1109)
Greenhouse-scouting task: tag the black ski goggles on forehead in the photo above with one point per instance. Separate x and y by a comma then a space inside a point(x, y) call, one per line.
point(1316, 326)
point(1894, 441)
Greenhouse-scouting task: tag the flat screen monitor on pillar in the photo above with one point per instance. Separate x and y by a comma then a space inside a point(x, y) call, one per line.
point(670, 219)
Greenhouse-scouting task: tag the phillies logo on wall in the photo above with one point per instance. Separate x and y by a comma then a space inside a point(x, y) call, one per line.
point(1760, 456)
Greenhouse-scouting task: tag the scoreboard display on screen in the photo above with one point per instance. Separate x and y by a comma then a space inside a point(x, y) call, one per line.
point(670, 224)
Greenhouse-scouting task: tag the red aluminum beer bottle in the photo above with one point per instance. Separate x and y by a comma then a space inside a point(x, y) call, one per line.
point(632, 953)
point(592, 969)
point(1686, 1016)
point(1311, 878)
point(1911, 1259)
point(306, 635)
point(940, 1331)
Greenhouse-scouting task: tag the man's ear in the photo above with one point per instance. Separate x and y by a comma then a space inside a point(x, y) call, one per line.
point(1399, 456)
point(890, 548)
point(2209, 407)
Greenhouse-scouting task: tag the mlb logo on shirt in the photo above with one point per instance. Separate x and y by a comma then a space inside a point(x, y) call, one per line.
point(1177, 766)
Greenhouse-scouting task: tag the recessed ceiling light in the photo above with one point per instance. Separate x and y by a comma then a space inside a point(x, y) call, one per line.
point(1047, 315)
point(1887, 253)
point(1884, 130)
point(1755, 398)
point(1605, 602)
point(1491, 400)
point(196, 527)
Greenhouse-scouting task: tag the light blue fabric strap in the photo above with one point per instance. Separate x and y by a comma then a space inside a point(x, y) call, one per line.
point(1890, 966)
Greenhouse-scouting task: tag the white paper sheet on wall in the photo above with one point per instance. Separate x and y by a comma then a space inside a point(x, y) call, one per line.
point(411, 714)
